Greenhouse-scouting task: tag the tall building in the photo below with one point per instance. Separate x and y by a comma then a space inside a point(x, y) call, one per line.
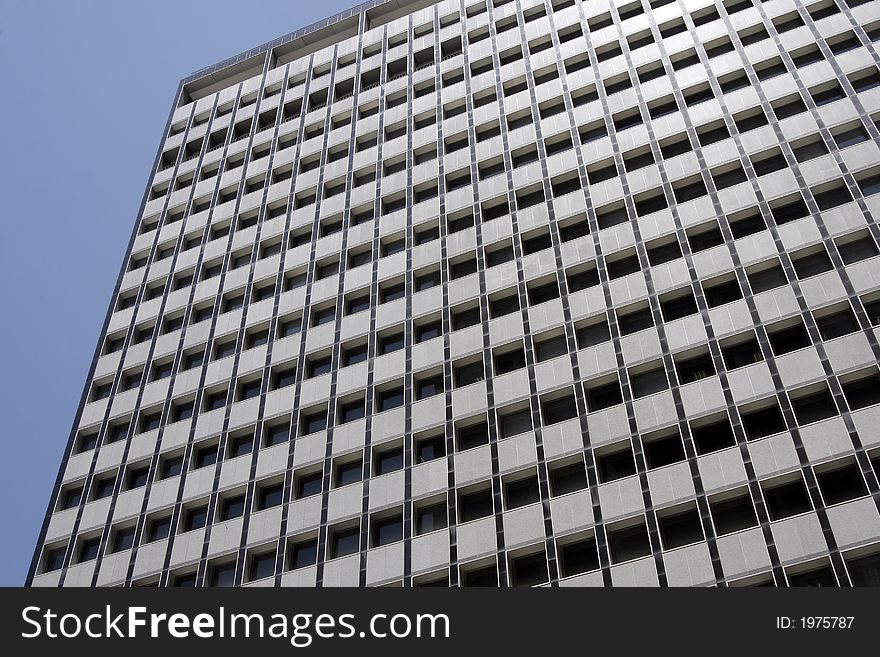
point(515, 292)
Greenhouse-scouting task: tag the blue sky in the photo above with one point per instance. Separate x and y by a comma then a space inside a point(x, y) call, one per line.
point(86, 89)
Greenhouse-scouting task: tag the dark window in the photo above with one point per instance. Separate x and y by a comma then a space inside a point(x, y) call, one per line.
point(88, 549)
point(351, 411)
point(270, 496)
point(567, 479)
point(431, 518)
point(349, 472)
point(472, 436)
point(429, 331)
point(522, 492)
point(733, 515)
point(314, 422)
point(232, 507)
point(837, 325)
point(388, 399)
point(695, 369)
point(593, 334)
point(390, 343)
point(678, 307)
point(579, 557)
point(787, 500)
point(842, 485)
point(722, 293)
point(630, 543)
point(550, 348)
point(241, 445)
point(713, 437)
point(308, 485)
point(636, 321)
point(159, 529)
point(353, 355)
point(465, 375)
point(604, 396)
point(681, 529)
point(763, 422)
point(345, 542)
point(663, 451)
point(742, 354)
point(104, 488)
point(387, 530)
point(862, 392)
point(171, 467)
point(785, 341)
point(389, 460)
point(811, 265)
point(475, 505)
point(205, 456)
point(277, 434)
point(123, 539)
point(616, 465)
point(648, 383)
point(767, 279)
point(304, 554)
point(195, 518)
point(430, 449)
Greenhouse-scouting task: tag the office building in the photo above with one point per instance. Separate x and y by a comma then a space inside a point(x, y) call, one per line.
point(499, 293)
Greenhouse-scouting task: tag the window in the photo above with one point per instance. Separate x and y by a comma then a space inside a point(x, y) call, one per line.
point(387, 530)
point(103, 487)
point(344, 542)
point(241, 445)
point(521, 492)
point(514, 423)
point(351, 410)
point(205, 456)
point(431, 518)
point(195, 518)
point(389, 399)
point(270, 495)
point(123, 539)
point(261, 566)
point(762, 422)
point(427, 387)
point(348, 472)
point(566, 479)
point(312, 422)
point(787, 499)
point(172, 466)
point(558, 409)
point(841, 484)
point(742, 353)
point(602, 396)
point(713, 435)
point(662, 449)
point(578, 557)
point(616, 465)
point(389, 460)
point(733, 515)
point(88, 549)
point(475, 505)
point(679, 529)
point(232, 507)
point(158, 528)
point(277, 434)
point(303, 553)
point(648, 382)
point(430, 448)
point(629, 543)
point(307, 485)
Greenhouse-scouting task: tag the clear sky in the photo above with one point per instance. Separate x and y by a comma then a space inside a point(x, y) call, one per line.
point(86, 90)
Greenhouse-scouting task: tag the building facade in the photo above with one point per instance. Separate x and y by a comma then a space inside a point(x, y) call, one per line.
point(496, 293)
